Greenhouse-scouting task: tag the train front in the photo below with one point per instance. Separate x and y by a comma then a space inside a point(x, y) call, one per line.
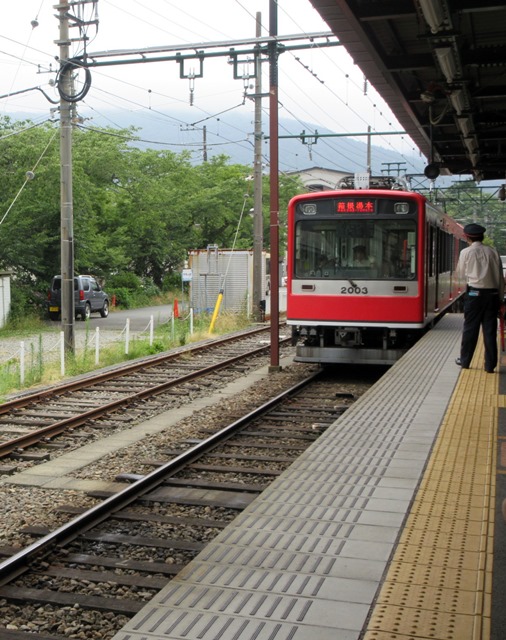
point(355, 275)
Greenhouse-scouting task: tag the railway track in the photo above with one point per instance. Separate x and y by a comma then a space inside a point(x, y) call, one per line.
point(99, 569)
point(37, 418)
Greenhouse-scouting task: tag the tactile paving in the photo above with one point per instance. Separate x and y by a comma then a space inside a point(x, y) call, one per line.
point(439, 582)
point(308, 558)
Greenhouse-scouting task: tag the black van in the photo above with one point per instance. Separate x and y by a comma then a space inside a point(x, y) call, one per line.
point(89, 297)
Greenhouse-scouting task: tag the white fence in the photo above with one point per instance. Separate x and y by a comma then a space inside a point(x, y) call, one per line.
point(55, 349)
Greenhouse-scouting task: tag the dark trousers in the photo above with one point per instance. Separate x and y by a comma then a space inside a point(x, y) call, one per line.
point(480, 309)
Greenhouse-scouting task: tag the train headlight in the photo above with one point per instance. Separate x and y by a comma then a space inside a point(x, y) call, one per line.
point(401, 207)
point(309, 209)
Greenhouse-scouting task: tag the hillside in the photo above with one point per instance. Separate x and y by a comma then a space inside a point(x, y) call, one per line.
point(232, 135)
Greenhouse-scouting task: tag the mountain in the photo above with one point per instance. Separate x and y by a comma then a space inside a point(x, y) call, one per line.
point(232, 135)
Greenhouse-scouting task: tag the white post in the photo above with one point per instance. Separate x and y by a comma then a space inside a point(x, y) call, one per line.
point(127, 336)
point(173, 328)
point(62, 353)
point(191, 321)
point(151, 330)
point(22, 364)
point(97, 347)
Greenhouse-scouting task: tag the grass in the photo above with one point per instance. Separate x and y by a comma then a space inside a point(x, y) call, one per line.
point(26, 325)
point(40, 369)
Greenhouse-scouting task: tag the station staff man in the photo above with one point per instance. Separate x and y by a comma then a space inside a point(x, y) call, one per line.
point(481, 266)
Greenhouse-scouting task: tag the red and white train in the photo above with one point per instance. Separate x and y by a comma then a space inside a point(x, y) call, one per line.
point(368, 272)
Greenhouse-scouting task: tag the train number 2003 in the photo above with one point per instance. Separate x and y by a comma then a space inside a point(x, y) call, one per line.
point(354, 290)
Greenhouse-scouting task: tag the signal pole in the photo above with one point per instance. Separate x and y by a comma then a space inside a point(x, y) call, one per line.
point(66, 196)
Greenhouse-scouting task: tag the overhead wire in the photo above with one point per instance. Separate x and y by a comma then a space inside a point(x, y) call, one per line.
point(356, 113)
point(151, 93)
point(316, 46)
point(82, 95)
point(316, 76)
point(34, 24)
point(28, 128)
point(208, 116)
point(180, 122)
point(193, 17)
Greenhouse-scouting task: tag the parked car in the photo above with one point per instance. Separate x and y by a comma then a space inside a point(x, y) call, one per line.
point(89, 297)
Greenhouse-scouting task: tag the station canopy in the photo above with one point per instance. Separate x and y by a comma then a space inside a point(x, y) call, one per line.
point(440, 65)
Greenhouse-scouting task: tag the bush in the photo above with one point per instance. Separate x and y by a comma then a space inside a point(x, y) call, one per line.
point(26, 302)
point(171, 281)
point(124, 297)
point(149, 288)
point(126, 280)
point(130, 290)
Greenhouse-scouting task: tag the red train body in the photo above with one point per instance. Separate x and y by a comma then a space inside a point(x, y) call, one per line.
point(368, 272)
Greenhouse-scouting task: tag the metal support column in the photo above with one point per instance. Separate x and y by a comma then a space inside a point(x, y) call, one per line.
point(274, 183)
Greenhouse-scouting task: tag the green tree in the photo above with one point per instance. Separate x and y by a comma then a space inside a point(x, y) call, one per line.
point(98, 232)
point(134, 211)
point(29, 207)
point(219, 208)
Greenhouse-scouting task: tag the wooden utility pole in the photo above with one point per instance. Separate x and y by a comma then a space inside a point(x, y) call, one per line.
point(66, 196)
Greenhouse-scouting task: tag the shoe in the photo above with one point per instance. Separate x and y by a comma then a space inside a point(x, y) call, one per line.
point(458, 362)
point(489, 370)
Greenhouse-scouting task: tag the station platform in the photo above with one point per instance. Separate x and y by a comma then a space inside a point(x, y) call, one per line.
point(389, 527)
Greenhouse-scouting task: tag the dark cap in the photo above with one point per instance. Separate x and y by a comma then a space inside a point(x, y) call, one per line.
point(473, 230)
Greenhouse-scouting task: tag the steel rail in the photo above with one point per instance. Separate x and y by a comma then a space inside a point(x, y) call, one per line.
point(18, 563)
point(29, 439)
point(139, 364)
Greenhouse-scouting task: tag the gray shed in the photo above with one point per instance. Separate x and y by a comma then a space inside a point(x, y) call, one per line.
point(213, 269)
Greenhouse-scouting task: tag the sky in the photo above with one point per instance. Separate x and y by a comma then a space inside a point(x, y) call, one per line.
point(318, 87)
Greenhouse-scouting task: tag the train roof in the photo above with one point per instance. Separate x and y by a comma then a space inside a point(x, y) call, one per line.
point(390, 183)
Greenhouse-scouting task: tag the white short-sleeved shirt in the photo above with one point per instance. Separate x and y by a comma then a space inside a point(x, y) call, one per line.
point(481, 266)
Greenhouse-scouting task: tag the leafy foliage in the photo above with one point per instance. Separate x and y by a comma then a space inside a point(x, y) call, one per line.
point(134, 211)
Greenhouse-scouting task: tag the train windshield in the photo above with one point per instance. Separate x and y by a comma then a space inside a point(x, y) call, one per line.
point(356, 249)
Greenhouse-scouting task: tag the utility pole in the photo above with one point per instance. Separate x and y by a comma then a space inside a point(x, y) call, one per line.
point(66, 196)
point(274, 182)
point(257, 182)
point(204, 142)
point(369, 150)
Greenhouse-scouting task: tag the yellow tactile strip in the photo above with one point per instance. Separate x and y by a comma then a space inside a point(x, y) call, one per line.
point(438, 586)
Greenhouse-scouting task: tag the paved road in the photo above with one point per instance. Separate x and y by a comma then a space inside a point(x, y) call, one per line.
point(116, 321)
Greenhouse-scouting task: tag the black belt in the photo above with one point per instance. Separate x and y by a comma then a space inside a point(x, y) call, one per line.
point(483, 290)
